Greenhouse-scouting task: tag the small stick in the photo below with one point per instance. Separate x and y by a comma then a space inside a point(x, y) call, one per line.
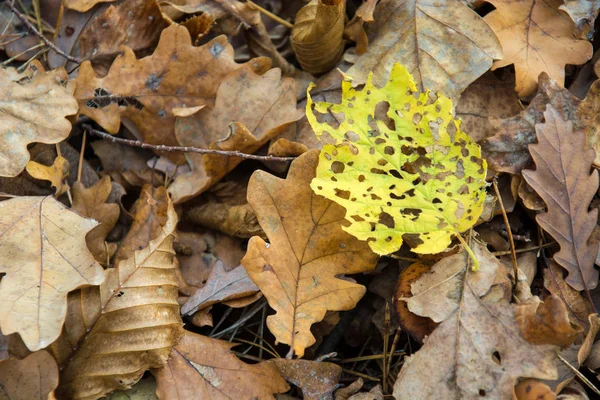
point(80, 166)
point(160, 147)
point(508, 231)
point(29, 25)
point(271, 15)
point(364, 376)
point(507, 252)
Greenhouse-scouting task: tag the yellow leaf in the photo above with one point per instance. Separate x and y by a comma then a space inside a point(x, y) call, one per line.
point(56, 173)
point(407, 174)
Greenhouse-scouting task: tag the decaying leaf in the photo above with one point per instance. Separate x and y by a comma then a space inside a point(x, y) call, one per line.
point(413, 174)
point(298, 271)
point(317, 380)
point(562, 178)
point(128, 325)
point(44, 256)
point(92, 203)
point(533, 389)
point(33, 107)
point(220, 286)
point(317, 35)
point(258, 107)
point(588, 119)
point(583, 13)
point(34, 377)
point(56, 173)
point(536, 37)
point(444, 45)
point(203, 368)
point(579, 307)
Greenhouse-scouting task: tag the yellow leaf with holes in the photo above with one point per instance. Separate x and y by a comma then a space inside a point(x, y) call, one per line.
point(401, 166)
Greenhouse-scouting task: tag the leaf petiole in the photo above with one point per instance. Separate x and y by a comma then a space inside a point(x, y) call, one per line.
point(475, 266)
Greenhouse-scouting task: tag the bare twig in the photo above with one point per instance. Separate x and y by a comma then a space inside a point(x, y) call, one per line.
point(29, 25)
point(508, 231)
point(269, 14)
point(159, 147)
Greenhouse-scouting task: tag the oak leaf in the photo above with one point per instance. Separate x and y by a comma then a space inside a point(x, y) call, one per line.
point(578, 305)
point(92, 203)
point(34, 377)
point(175, 76)
point(583, 13)
point(562, 179)
point(536, 37)
point(44, 256)
point(298, 271)
point(444, 45)
point(55, 173)
point(33, 107)
point(203, 368)
point(317, 35)
point(255, 107)
point(317, 380)
point(116, 332)
point(413, 174)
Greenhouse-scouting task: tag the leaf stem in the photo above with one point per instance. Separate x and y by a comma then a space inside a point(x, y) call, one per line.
point(475, 266)
point(271, 15)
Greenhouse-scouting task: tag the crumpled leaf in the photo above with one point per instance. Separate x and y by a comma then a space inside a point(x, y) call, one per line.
point(44, 256)
point(33, 107)
point(34, 377)
point(563, 166)
point(128, 325)
point(55, 173)
point(220, 286)
point(583, 13)
point(578, 305)
point(203, 368)
point(536, 37)
point(176, 75)
point(414, 175)
point(444, 45)
point(477, 352)
point(92, 203)
point(259, 106)
point(317, 380)
point(298, 271)
point(317, 35)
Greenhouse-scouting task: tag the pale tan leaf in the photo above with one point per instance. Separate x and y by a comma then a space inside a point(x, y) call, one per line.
point(33, 107)
point(34, 377)
point(583, 13)
point(202, 368)
point(44, 256)
point(83, 5)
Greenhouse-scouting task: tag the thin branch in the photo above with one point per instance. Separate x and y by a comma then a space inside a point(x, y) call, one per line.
point(509, 231)
point(33, 29)
point(269, 14)
point(160, 147)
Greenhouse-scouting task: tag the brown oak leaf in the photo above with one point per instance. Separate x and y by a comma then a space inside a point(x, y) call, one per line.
point(34, 377)
point(317, 380)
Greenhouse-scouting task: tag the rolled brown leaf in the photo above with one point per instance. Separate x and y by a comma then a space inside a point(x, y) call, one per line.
point(317, 35)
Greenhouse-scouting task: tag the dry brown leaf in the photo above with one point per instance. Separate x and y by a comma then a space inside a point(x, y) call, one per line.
point(583, 13)
point(92, 203)
point(434, 294)
point(317, 35)
point(126, 326)
point(507, 150)
point(55, 173)
point(33, 107)
point(578, 305)
point(220, 286)
point(588, 119)
point(562, 178)
point(547, 322)
point(149, 216)
point(317, 380)
point(256, 108)
point(34, 377)
point(83, 5)
point(44, 256)
point(176, 75)
point(536, 37)
point(145, 389)
point(532, 389)
point(477, 352)
point(444, 45)
point(284, 148)
point(203, 368)
point(298, 271)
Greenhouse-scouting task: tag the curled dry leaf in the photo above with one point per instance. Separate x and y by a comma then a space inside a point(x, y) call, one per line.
point(317, 35)
point(579, 307)
point(56, 173)
point(128, 325)
point(444, 45)
point(317, 380)
point(536, 37)
point(44, 256)
point(34, 377)
point(298, 271)
point(92, 203)
point(33, 107)
point(255, 107)
point(563, 167)
point(203, 368)
point(220, 286)
point(547, 322)
point(583, 13)
point(176, 75)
